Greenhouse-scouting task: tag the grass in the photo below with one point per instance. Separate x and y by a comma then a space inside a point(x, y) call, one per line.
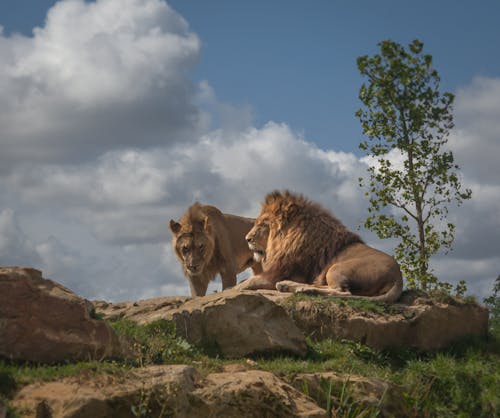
point(463, 381)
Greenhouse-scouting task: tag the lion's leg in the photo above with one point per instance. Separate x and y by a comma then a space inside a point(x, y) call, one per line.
point(257, 268)
point(291, 286)
point(337, 278)
point(256, 282)
point(294, 287)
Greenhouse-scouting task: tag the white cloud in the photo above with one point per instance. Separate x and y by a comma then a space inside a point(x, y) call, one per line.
point(97, 76)
point(126, 197)
point(476, 146)
point(15, 246)
point(476, 139)
point(104, 139)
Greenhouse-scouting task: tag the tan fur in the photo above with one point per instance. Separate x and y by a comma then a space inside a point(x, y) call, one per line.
point(304, 248)
point(208, 242)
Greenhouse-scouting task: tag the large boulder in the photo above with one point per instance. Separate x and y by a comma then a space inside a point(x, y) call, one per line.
point(237, 324)
point(174, 390)
point(229, 323)
point(42, 321)
point(142, 392)
point(254, 393)
point(416, 322)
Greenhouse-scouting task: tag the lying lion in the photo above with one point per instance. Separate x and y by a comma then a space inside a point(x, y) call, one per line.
point(208, 242)
point(304, 248)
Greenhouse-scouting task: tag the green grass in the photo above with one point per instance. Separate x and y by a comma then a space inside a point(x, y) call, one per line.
point(463, 381)
point(155, 343)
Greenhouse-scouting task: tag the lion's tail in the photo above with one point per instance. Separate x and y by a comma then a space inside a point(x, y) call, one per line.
point(392, 295)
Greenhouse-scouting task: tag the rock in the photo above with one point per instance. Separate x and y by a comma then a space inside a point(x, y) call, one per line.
point(238, 324)
point(42, 321)
point(142, 392)
point(174, 390)
point(229, 323)
point(363, 391)
point(142, 311)
point(256, 394)
point(416, 322)
point(218, 320)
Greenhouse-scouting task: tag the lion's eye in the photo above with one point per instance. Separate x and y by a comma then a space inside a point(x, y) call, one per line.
point(185, 250)
point(201, 247)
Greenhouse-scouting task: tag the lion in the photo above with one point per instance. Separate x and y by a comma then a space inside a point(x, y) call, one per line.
point(208, 242)
point(304, 248)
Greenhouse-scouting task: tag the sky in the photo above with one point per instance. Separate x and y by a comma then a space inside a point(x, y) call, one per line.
point(117, 115)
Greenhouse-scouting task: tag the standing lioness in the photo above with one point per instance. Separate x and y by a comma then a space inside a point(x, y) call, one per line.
point(208, 242)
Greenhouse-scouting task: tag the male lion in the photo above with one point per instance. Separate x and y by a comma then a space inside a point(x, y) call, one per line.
point(304, 248)
point(208, 242)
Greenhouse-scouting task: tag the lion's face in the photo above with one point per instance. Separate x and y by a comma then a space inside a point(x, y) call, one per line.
point(194, 246)
point(195, 251)
point(257, 238)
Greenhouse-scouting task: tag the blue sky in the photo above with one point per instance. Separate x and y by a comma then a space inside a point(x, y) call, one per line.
point(119, 114)
point(295, 61)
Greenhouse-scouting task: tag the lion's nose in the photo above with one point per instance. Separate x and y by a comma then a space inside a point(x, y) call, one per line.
point(249, 239)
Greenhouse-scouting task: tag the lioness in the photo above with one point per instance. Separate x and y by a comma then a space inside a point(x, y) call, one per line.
point(208, 242)
point(304, 248)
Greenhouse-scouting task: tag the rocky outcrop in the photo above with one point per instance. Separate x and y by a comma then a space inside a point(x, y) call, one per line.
point(42, 321)
point(328, 387)
point(228, 319)
point(142, 311)
point(254, 393)
point(237, 324)
point(416, 322)
point(142, 392)
point(167, 391)
point(231, 323)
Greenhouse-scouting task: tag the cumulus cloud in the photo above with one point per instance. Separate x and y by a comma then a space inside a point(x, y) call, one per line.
point(15, 246)
point(126, 197)
point(105, 139)
point(95, 77)
point(476, 140)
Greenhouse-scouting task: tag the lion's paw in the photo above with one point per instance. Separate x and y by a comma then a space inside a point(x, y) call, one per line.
point(286, 286)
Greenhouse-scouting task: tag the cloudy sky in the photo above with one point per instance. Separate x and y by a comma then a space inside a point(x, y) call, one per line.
point(116, 115)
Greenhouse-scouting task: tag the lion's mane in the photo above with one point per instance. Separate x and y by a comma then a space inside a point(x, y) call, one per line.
point(304, 237)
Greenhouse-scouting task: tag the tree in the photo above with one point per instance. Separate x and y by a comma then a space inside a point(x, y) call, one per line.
point(493, 304)
point(413, 176)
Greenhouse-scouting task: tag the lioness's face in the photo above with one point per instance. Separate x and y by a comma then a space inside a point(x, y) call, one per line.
point(257, 239)
point(195, 251)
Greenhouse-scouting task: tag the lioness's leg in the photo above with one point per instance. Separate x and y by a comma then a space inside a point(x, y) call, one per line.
point(198, 286)
point(228, 277)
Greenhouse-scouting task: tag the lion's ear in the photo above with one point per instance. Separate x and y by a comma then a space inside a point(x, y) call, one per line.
point(207, 225)
point(175, 227)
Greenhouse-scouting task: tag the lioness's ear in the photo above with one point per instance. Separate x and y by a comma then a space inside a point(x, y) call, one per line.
point(207, 225)
point(175, 227)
